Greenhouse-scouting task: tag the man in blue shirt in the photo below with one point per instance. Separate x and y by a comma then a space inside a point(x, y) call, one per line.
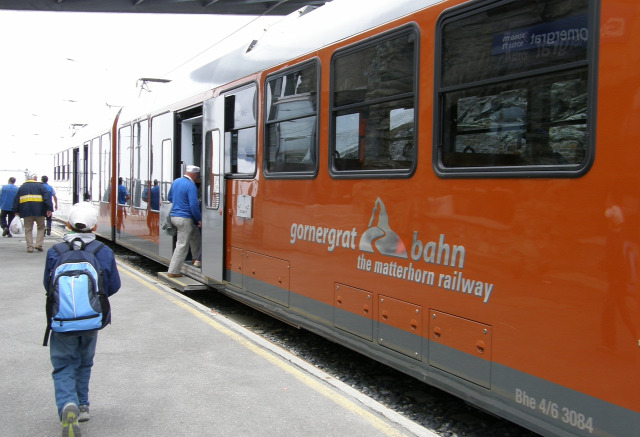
point(7, 193)
point(186, 217)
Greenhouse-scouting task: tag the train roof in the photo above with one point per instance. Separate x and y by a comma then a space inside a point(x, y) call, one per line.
point(298, 34)
point(217, 7)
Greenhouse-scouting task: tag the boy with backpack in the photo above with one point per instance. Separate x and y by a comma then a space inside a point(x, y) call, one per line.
point(79, 276)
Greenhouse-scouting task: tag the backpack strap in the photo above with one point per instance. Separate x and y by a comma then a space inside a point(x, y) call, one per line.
point(96, 247)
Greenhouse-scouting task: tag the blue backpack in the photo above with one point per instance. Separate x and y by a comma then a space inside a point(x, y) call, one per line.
point(76, 300)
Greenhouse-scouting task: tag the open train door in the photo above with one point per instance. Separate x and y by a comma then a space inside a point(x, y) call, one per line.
point(212, 175)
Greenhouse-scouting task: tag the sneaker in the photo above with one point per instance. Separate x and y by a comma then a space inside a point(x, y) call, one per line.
point(5, 232)
point(39, 249)
point(69, 419)
point(197, 263)
point(84, 413)
point(9, 236)
point(29, 250)
point(49, 232)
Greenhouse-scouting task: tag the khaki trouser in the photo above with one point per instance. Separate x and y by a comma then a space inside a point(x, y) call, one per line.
point(188, 236)
point(28, 231)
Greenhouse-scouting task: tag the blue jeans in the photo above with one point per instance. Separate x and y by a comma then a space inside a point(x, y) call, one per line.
point(72, 358)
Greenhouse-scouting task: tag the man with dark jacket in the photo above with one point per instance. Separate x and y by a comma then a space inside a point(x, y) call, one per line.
point(33, 204)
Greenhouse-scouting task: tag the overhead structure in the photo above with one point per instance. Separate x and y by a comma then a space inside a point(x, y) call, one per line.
point(218, 7)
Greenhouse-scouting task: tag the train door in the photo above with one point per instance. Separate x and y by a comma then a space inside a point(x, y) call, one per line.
point(230, 153)
point(212, 174)
point(162, 171)
point(189, 134)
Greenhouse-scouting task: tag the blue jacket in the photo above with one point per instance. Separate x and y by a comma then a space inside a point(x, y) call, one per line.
point(7, 195)
point(32, 200)
point(104, 256)
point(184, 197)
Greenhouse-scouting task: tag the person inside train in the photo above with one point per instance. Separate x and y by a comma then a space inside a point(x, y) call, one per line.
point(123, 198)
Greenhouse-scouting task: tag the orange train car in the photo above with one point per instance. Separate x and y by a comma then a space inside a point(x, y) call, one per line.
point(449, 187)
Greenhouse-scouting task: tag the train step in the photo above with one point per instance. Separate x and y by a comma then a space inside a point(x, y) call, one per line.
point(183, 283)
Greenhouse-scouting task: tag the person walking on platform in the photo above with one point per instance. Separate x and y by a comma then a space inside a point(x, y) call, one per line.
point(186, 217)
point(33, 204)
point(7, 194)
point(72, 353)
point(54, 198)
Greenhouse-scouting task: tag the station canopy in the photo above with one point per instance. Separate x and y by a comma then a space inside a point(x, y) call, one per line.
point(218, 7)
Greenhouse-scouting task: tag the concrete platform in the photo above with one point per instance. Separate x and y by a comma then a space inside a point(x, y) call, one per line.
point(169, 367)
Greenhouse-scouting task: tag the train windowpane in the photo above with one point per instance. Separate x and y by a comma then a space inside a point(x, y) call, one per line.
point(243, 108)
point(124, 143)
point(105, 166)
point(167, 164)
point(94, 182)
point(140, 164)
point(374, 88)
point(240, 132)
point(379, 70)
point(161, 159)
point(212, 169)
point(84, 176)
point(514, 89)
point(290, 131)
point(376, 139)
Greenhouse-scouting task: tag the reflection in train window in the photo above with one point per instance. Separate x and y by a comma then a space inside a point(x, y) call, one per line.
point(513, 90)
point(291, 121)
point(140, 164)
point(124, 165)
point(240, 132)
point(373, 107)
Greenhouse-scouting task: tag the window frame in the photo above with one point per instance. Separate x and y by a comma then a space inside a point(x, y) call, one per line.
point(294, 174)
point(228, 174)
point(538, 73)
point(414, 94)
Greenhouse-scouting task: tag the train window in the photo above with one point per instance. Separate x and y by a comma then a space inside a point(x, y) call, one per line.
point(140, 164)
point(291, 107)
point(240, 132)
point(124, 166)
point(86, 170)
point(161, 159)
point(373, 107)
point(94, 183)
point(167, 168)
point(105, 167)
point(513, 90)
point(212, 169)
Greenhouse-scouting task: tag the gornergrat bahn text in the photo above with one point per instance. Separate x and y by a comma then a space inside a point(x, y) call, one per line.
point(449, 187)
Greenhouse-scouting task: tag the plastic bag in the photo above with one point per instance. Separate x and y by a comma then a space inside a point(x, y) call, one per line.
point(16, 227)
point(168, 227)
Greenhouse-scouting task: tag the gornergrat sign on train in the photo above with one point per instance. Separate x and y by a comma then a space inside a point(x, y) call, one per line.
point(564, 34)
point(380, 238)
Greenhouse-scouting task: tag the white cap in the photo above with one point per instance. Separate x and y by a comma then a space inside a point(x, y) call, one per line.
point(83, 216)
point(193, 169)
